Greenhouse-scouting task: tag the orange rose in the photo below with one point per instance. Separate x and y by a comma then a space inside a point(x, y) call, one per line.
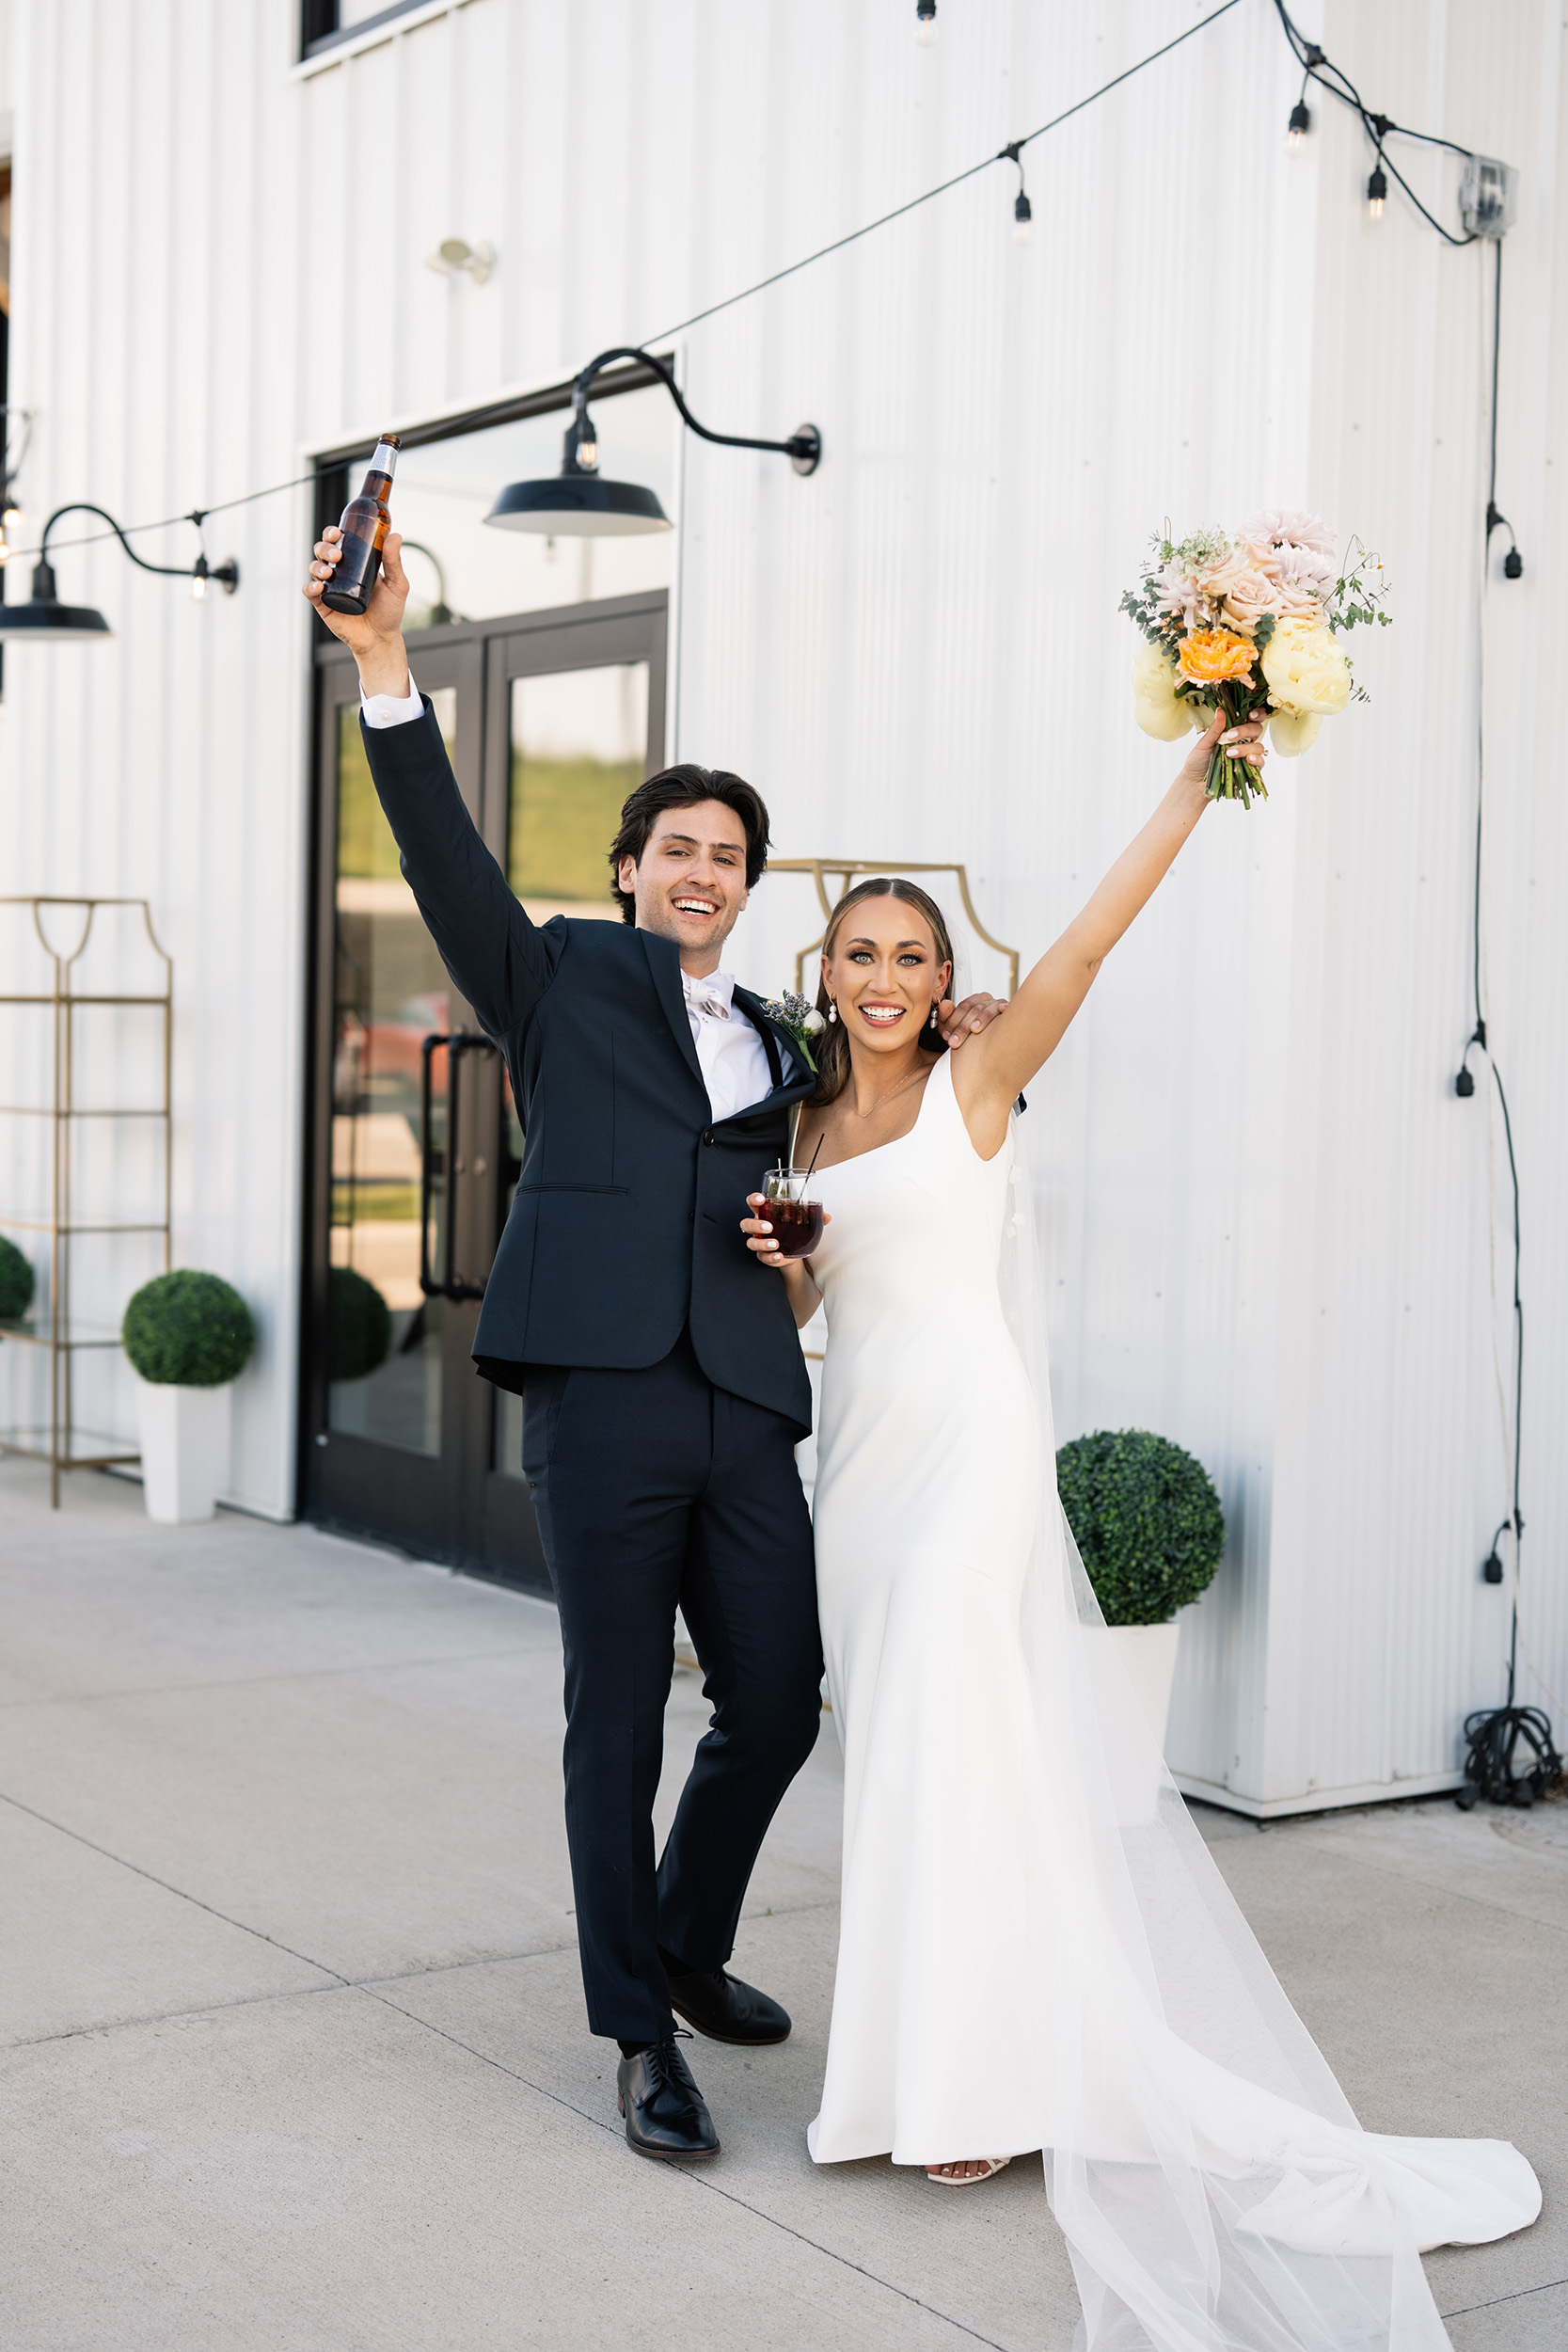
point(1210, 655)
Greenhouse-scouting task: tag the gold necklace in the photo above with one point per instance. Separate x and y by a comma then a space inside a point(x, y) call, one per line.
point(893, 1094)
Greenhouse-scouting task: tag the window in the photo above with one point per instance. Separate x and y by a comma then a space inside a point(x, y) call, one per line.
point(323, 22)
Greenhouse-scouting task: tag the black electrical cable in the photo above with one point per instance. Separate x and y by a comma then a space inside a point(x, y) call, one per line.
point(1494, 1735)
point(1317, 67)
point(1005, 154)
point(195, 514)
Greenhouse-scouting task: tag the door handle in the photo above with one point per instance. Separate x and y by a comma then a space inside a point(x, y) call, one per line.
point(459, 1042)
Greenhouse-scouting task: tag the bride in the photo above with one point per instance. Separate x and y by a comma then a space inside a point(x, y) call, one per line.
point(1035, 1949)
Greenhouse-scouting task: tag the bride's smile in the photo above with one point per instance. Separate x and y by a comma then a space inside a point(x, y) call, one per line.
point(883, 981)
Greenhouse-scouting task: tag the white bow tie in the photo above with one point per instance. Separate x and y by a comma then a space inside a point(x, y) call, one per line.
point(705, 1000)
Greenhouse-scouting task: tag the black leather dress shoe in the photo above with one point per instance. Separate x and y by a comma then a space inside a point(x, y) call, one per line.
point(725, 2009)
point(663, 2108)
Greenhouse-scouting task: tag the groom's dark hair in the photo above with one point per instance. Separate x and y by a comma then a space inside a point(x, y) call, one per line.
point(682, 787)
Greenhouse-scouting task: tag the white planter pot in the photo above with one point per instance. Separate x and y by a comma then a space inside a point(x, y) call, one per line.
point(185, 1449)
point(1147, 1657)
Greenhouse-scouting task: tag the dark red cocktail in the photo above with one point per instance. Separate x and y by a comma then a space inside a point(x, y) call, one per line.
point(797, 1226)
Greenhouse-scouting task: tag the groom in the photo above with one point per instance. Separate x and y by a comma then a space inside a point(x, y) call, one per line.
point(663, 1386)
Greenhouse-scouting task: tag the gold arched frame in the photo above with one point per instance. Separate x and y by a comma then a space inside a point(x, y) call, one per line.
point(845, 869)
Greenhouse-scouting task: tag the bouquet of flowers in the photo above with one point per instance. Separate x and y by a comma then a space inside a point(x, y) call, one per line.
point(1249, 622)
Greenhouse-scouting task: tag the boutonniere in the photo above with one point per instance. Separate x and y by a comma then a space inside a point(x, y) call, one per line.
point(797, 1019)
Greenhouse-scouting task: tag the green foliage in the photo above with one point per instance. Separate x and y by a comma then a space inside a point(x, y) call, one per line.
point(1148, 1521)
point(188, 1330)
point(1358, 592)
point(16, 1281)
point(565, 814)
point(366, 849)
point(359, 1326)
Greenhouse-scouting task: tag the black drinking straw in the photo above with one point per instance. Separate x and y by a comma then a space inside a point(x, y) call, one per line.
point(819, 1141)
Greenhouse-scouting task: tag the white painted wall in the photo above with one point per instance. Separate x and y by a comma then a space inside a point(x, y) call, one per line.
point(1265, 1212)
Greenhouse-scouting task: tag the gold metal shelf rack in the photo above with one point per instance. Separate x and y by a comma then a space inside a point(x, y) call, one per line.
point(52, 1324)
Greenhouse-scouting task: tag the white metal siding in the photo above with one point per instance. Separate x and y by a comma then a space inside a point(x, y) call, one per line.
point(1264, 1209)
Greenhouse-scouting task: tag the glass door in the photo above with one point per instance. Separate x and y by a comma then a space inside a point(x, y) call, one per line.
point(415, 1142)
point(576, 720)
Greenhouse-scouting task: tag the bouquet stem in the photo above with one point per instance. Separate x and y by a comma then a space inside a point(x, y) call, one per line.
point(1231, 779)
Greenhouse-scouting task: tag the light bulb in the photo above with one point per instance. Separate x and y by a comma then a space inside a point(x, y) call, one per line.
point(1377, 190)
point(199, 579)
point(12, 518)
point(925, 23)
point(1023, 220)
point(588, 452)
point(1301, 122)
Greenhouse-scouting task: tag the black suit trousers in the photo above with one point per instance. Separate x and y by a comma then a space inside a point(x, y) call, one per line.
point(654, 1488)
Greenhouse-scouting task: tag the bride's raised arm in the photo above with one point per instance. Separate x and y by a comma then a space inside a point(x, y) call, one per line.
point(995, 1066)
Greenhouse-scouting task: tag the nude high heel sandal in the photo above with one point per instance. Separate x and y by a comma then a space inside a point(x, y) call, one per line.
point(968, 2180)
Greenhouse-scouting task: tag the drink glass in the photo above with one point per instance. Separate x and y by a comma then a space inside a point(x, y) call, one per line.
point(796, 1221)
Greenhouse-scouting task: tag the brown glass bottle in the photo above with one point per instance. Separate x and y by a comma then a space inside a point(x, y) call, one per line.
point(364, 524)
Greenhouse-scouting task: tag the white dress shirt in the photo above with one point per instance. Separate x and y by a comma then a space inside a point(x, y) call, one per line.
point(733, 1056)
point(730, 1051)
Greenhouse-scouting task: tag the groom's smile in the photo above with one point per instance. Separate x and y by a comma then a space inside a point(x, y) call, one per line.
point(689, 883)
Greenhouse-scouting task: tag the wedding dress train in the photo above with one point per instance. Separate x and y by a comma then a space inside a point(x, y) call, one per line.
point(1035, 1948)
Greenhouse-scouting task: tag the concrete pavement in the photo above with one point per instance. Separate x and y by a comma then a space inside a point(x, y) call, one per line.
point(294, 2055)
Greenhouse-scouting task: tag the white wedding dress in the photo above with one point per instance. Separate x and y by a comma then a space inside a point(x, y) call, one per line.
point(1035, 1949)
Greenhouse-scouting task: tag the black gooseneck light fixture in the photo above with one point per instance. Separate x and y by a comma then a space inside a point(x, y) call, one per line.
point(45, 621)
point(578, 502)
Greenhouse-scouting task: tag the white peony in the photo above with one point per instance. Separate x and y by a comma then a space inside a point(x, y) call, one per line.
point(1292, 732)
point(813, 1023)
point(1305, 667)
point(1156, 706)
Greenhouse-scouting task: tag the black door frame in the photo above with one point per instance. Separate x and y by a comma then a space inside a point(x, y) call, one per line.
point(457, 1508)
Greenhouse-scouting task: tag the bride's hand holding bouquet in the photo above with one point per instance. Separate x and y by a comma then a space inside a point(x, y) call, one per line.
point(1234, 626)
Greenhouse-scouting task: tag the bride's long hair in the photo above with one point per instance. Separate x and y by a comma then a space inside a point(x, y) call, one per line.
point(832, 1049)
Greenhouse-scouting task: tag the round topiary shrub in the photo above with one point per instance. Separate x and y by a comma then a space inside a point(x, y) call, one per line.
point(187, 1330)
point(1148, 1521)
point(359, 1326)
point(16, 1281)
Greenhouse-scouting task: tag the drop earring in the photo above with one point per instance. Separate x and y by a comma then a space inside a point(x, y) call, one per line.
point(833, 1009)
point(933, 1013)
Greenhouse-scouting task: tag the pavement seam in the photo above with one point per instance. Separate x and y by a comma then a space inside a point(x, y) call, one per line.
point(694, 2180)
point(1520, 2295)
point(179, 1892)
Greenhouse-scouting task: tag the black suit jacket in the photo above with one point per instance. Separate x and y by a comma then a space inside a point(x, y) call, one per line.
point(625, 1222)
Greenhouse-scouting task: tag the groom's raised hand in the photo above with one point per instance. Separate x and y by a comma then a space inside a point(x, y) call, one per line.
point(374, 637)
point(976, 1012)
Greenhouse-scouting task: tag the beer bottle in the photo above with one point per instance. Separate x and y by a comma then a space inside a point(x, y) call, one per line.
point(364, 525)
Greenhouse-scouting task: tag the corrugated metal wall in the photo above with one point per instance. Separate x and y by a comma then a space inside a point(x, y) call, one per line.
point(1265, 1211)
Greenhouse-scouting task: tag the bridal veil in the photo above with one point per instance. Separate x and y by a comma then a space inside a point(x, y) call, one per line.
point(1214, 2188)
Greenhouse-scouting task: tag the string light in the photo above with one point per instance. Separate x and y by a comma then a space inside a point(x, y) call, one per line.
point(925, 23)
point(1023, 216)
point(1320, 67)
point(926, 29)
point(1301, 122)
